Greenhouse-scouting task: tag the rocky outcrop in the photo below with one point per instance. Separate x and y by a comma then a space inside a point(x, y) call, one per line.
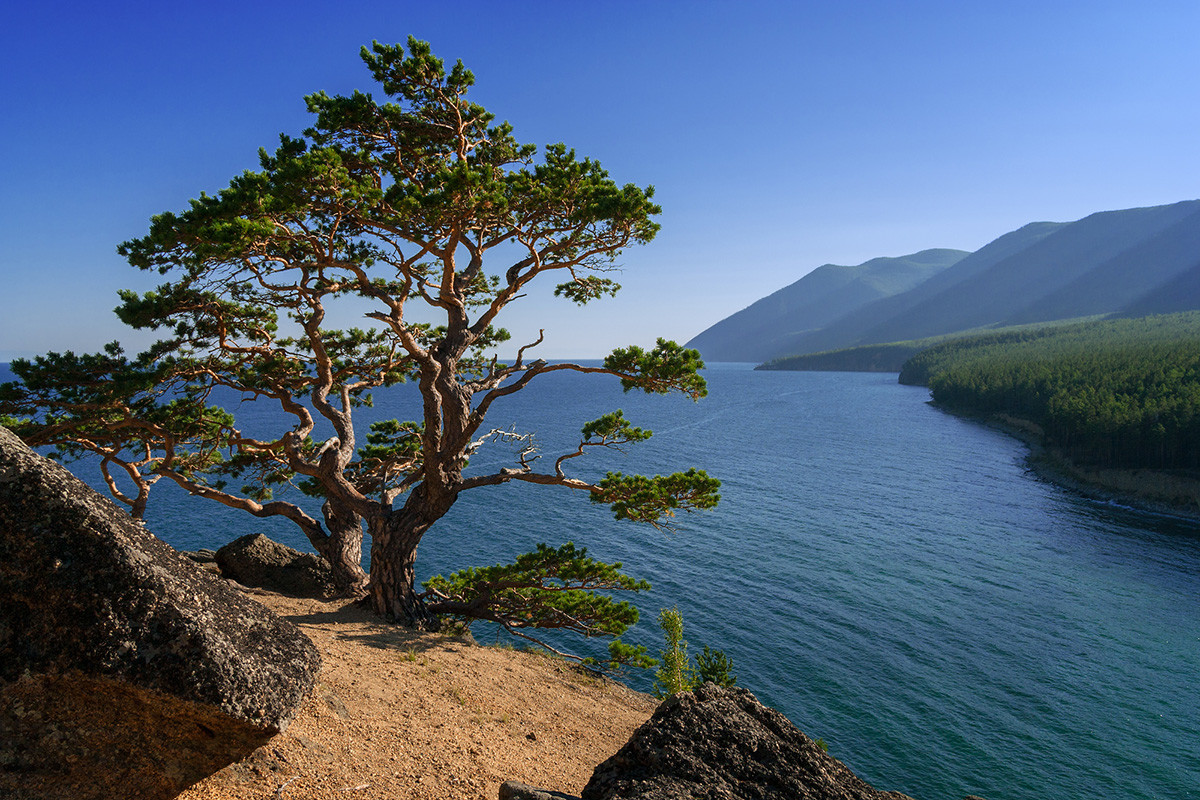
point(125, 671)
point(205, 558)
point(722, 744)
point(255, 560)
point(514, 790)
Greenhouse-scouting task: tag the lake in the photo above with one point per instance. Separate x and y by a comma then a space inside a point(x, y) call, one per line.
point(890, 577)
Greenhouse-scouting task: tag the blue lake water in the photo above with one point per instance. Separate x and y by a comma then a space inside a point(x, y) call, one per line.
point(890, 577)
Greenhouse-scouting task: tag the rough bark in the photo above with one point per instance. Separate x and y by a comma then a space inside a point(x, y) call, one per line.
point(394, 539)
point(343, 550)
point(138, 509)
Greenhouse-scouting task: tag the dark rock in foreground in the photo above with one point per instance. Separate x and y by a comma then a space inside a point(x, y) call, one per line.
point(722, 744)
point(124, 670)
point(514, 790)
point(255, 560)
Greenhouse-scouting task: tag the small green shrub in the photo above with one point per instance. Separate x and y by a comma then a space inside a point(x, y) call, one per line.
point(675, 673)
point(716, 667)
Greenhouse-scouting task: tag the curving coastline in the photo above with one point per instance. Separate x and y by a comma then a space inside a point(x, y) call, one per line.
point(1173, 493)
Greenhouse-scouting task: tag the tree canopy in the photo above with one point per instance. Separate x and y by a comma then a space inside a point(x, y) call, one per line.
point(427, 217)
point(1109, 393)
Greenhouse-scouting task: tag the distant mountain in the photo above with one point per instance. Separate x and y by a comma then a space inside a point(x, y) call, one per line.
point(768, 326)
point(1179, 294)
point(852, 328)
point(1130, 262)
point(1115, 282)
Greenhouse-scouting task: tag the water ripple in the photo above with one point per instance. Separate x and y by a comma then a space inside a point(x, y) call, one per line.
point(890, 577)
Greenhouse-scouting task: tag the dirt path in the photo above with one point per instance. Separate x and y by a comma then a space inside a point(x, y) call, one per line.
point(403, 715)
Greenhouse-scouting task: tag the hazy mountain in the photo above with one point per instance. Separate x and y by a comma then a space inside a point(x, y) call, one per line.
point(824, 295)
point(1012, 290)
point(852, 328)
point(1142, 260)
point(1127, 276)
point(1182, 293)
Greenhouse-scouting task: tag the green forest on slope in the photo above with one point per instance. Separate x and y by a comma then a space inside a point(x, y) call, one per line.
point(893, 356)
point(890, 357)
point(1113, 393)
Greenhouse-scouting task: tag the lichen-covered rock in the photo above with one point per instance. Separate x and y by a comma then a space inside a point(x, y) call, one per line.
point(255, 560)
point(722, 744)
point(515, 790)
point(125, 671)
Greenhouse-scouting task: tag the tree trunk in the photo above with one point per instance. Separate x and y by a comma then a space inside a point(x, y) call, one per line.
point(392, 590)
point(343, 550)
point(395, 533)
point(138, 509)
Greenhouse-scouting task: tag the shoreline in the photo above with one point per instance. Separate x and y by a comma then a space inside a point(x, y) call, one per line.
point(1163, 492)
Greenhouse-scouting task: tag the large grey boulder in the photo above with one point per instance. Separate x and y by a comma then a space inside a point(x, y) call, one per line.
point(722, 744)
point(255, 560)
point(125, 671)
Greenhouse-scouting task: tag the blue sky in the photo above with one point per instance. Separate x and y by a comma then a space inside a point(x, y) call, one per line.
point(779, 135)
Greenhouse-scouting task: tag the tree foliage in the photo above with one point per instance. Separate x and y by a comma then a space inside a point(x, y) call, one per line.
point(713, 666)
point(676, 671)
point(549, 588)
point(1112, 393)
point(414, 208)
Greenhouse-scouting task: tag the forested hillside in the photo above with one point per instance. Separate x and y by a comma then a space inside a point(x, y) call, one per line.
point(1114, 393)
point(889, 357)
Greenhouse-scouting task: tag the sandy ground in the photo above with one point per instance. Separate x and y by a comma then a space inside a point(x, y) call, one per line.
point(397, 714)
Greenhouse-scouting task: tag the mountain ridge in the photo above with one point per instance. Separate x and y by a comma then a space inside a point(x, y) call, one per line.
point(816, 299)
point(1110, 262)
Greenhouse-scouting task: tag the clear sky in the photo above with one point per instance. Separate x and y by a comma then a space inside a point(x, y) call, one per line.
point(779, 135)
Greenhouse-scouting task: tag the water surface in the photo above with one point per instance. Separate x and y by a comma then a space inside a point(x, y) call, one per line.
point(890, 577)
